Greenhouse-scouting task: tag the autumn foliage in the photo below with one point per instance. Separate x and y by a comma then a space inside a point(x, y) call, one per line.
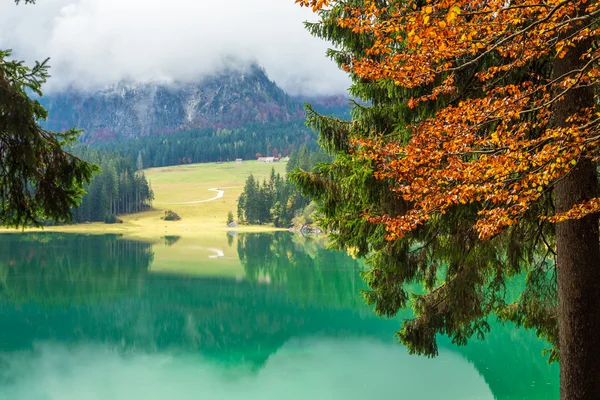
point(494, 143)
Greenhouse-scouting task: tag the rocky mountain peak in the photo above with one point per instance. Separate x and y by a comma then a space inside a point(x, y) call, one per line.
point(228, 98)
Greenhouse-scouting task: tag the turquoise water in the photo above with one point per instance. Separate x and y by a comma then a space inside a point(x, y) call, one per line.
point(100, 317)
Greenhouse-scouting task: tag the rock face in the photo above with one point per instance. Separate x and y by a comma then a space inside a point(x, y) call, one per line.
point(128, 110)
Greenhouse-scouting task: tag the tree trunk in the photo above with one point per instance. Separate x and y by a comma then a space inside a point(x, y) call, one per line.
point(578, 291)
point(578, 260)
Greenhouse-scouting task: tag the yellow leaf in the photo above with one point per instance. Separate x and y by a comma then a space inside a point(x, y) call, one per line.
point(429, 9)
point(450, 17)
point(426, 19)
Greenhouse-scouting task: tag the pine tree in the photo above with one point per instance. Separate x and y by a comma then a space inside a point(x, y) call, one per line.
point(140, 162)
point(39, 178)
point(275, 200)
point(292, 163)
point(252, 206)
point(113, 187)
point(241, 207)
point(304, 159)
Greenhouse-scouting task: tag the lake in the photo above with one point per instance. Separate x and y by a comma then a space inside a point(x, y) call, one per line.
point(249, 316)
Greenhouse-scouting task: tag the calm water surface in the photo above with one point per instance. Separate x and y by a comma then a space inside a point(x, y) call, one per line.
point(244, 317)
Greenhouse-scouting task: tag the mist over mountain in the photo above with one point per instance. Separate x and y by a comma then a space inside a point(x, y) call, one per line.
point(230, 99)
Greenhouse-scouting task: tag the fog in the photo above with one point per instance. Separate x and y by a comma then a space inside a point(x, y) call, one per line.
point(93, 43)
point(301, 369)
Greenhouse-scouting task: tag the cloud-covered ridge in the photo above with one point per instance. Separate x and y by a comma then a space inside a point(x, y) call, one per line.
point(93, 43)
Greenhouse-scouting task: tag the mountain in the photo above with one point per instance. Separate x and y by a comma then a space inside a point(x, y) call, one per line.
point(128, 110)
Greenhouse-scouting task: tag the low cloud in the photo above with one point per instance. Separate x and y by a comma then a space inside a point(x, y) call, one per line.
point(94, 43)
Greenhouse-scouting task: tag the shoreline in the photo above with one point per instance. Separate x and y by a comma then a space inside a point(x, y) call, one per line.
point(156, 229)
point(189, 190)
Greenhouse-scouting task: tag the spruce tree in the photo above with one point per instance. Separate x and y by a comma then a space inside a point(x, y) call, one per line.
point(39, 178)
point(304, 159)
point(251, 201)
point(140, 162)
point(241, 208)
point(292, 163)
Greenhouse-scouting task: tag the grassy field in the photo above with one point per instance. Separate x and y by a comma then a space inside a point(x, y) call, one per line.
point(187, 183)
point(202, 246)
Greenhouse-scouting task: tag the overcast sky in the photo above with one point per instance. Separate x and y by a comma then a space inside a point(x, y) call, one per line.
point(98, 42)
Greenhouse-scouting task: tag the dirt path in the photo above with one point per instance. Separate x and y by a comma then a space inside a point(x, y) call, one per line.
point(219, 191)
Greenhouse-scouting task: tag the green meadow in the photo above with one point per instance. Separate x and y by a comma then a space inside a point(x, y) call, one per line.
point(202, 216)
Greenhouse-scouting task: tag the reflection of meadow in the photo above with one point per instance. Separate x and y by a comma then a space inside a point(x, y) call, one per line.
point(100, 297)
point(212, 255)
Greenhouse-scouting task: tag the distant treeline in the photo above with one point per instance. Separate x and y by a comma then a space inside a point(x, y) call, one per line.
point(121, 187)
point(276, 200)
point(210, 145)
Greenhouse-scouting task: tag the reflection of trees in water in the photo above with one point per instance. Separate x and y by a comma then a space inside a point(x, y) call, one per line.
point(61, 268)
point(310, 273)
point(232, 322)
point(68, 285)
point(510, 359)
point(511, 362)
point(239, 322)
point(77, 289)
point(230, 236)
point(171, 240)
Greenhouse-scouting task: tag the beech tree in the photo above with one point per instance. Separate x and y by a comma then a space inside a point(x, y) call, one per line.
point(501, 124)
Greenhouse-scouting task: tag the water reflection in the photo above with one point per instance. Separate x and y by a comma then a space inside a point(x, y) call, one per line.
point(55, 269)
point(309, 273)
point(92, 317)
point(317, 368)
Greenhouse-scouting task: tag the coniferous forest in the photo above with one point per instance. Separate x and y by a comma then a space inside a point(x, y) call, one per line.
point(121, 187)
point(277, 199)
point(211, 145)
